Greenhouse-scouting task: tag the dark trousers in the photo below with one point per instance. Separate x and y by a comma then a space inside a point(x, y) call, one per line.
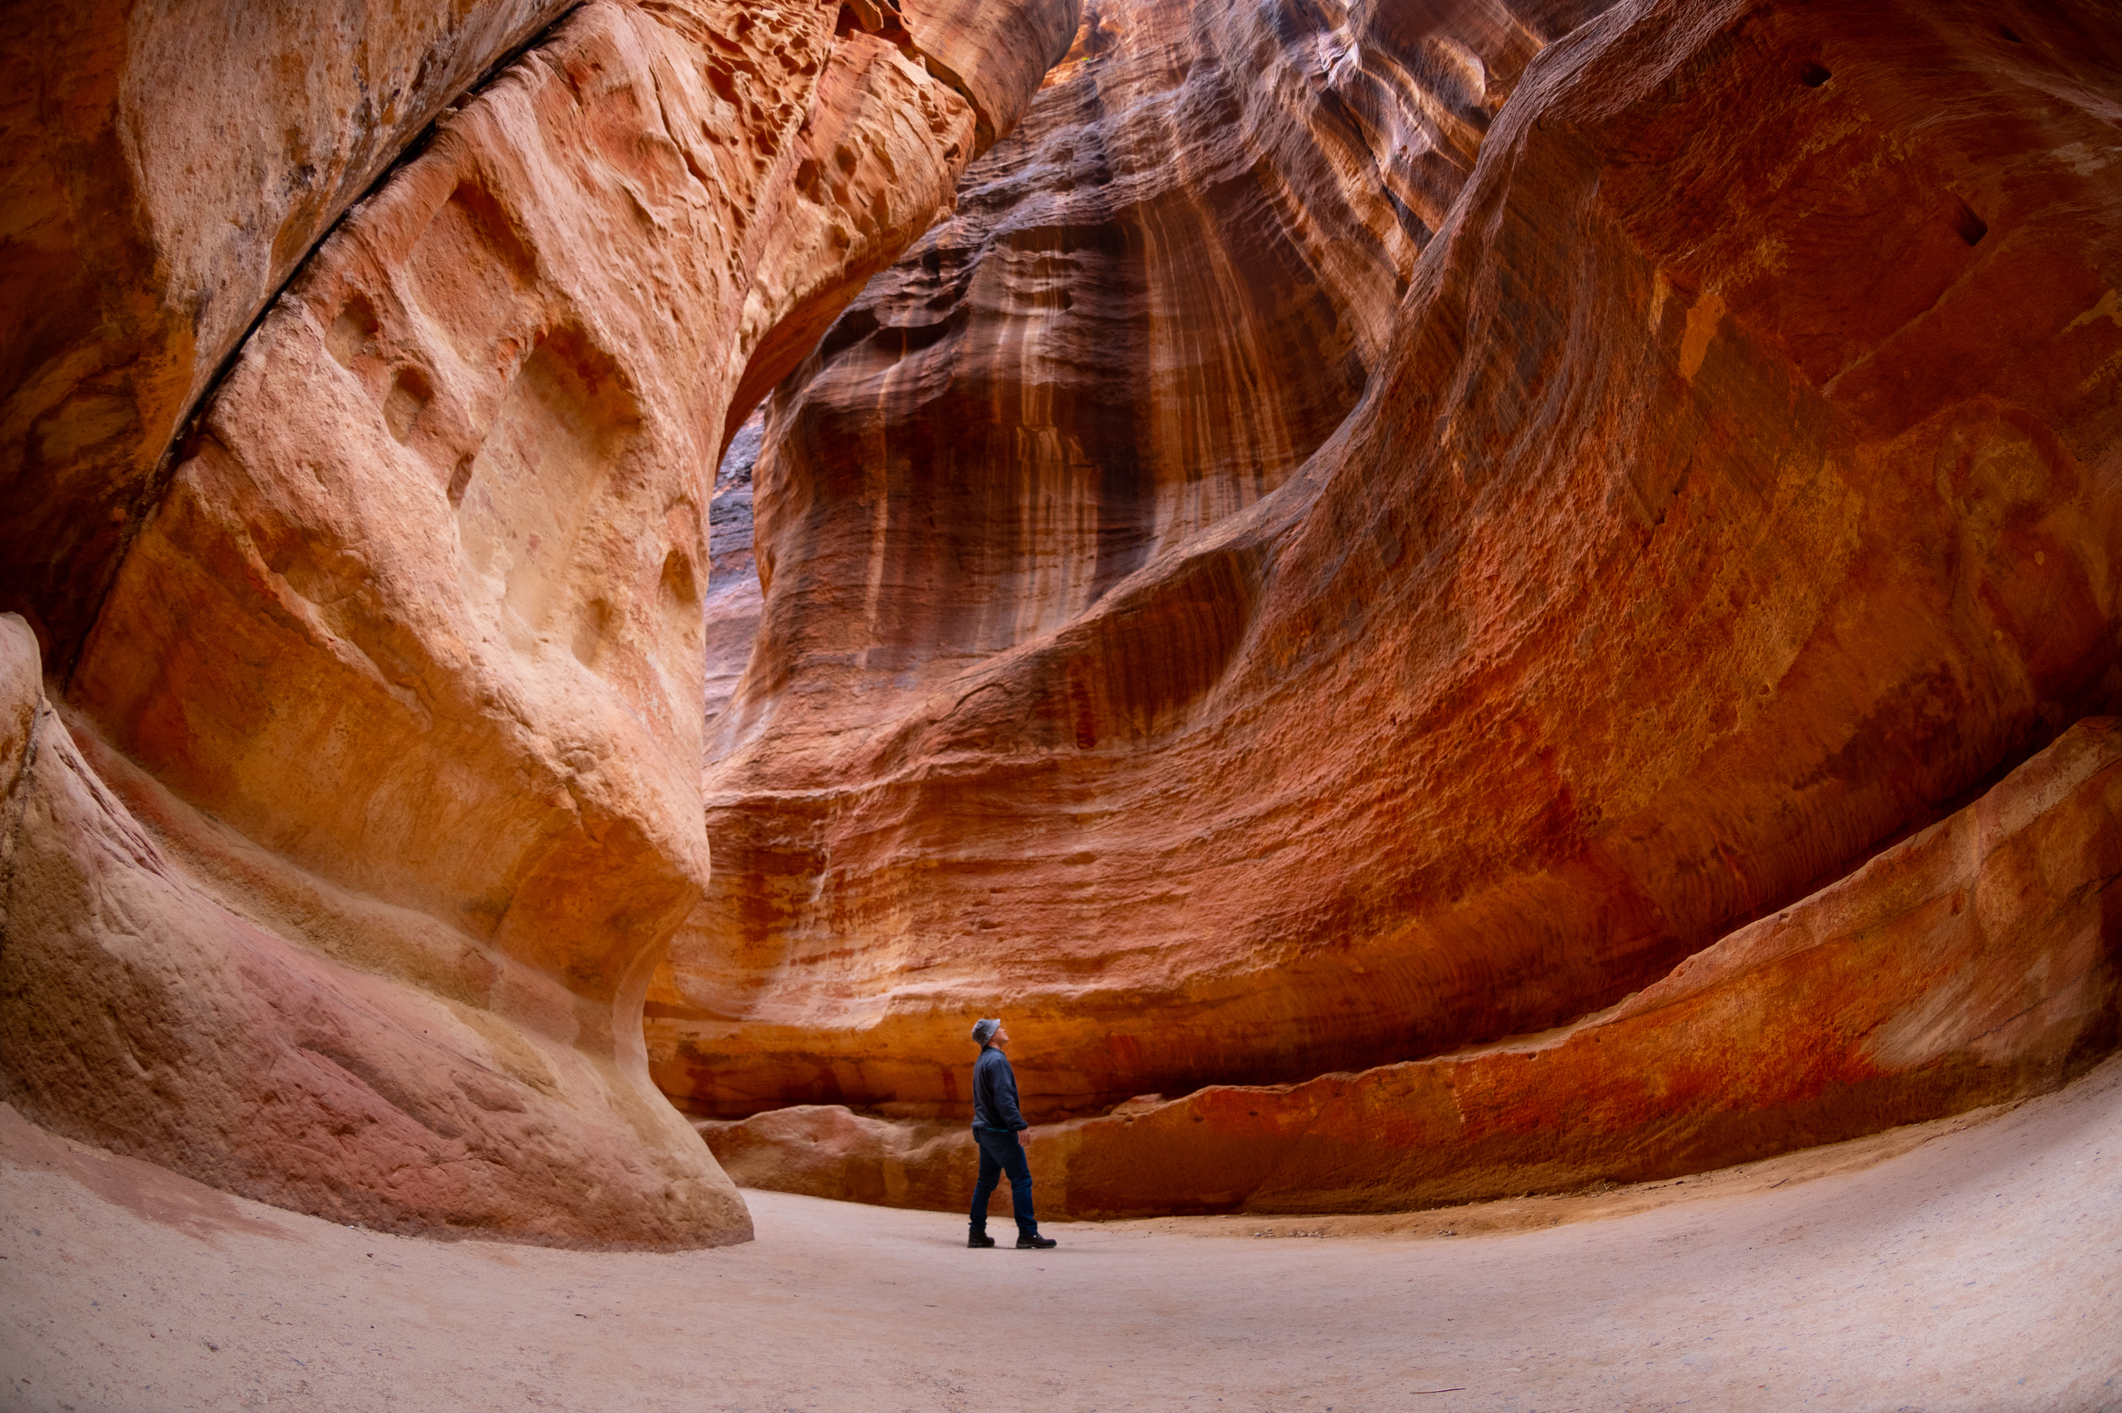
point(1001, 1153)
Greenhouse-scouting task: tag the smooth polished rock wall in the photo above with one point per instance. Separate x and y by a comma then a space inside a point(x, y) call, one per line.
point(166, 167)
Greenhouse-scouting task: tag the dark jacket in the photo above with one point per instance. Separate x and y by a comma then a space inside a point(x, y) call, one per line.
point(995, 1092)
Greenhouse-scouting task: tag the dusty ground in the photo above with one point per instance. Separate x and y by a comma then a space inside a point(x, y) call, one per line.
point(1974, 1264)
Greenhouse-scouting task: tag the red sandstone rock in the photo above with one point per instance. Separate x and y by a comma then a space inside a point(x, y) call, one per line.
point(1245, 641)
point(994, 55)
point(1318, 565)
point(165, 169)
point(1977, 962)
point(405, 669)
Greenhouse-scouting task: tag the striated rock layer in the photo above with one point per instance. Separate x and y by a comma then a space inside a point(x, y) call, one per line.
point(1312, 569)
point(730, 606)
point(377, 796)
point(1979, 961)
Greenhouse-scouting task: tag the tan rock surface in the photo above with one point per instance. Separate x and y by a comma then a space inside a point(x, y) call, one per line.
point(442, 536)
point(1978, 962)
point(415, 632)
point(165, 168)
point(180, 993)
point(1377, 528)
point(1240, 669)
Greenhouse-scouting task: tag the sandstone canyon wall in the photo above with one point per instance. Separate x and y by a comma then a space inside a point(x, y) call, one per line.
point(1318, 566)
point(166, 168)
point(1973, 963)
point(364, 792)
point(1487, 594)
point(1156, 300)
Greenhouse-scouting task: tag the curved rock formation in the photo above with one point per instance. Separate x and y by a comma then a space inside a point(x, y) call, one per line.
point(171, 990)
point(1977, 962)
point(1377, 527)
point(394, 701)
point(166, 168)
point(1244, 635)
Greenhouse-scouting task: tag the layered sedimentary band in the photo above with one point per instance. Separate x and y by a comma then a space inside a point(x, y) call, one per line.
point(1376, 531)
point(1977, 962)
point(1293, 547)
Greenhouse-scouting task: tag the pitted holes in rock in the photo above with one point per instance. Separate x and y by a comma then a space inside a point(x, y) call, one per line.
point(1971, 227)
point(409, 396)
point(459, 479)
point(352, 331)
point(678, 580)
point(564, 425)
point(591, 624)
point(468, 269)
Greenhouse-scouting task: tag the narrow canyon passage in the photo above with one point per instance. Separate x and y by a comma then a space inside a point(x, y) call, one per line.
point(1375, 531)
point(1494, 625)
point(1980, 1268)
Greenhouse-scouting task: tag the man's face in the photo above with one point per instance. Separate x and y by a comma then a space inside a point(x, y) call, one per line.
point(1000, 1040)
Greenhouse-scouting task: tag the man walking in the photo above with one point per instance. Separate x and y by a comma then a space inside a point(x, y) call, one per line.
point(996, 1128)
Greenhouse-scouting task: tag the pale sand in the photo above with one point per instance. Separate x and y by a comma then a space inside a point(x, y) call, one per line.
point(1971, 1264)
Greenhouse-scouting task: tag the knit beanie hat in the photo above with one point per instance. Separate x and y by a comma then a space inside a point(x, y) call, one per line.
point(984, 1030)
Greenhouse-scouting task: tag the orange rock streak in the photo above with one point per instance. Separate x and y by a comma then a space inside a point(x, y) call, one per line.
point(1974, 963)
point(1316, 566)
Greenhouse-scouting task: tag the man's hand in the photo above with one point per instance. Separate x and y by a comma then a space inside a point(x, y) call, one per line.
point(1024, 1139)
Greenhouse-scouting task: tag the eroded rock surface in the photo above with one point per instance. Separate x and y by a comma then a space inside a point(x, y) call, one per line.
point(1375, 528)
point(399, 687)
point(730, 607)
point(166, 167)
point(179, 993)
point(1313, 569)
point(1977, 962)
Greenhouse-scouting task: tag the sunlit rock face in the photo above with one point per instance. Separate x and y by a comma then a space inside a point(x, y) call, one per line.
point(386, 735)
point(1368, 535)
point(166, 168)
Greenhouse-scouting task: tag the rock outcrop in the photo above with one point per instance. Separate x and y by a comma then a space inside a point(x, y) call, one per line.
point(172, 990)
point(1977, 962)
point(378, 796)
point(1312, 569)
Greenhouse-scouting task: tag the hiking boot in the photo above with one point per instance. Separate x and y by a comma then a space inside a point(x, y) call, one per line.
point(978, 1239)
point(1036, 1243)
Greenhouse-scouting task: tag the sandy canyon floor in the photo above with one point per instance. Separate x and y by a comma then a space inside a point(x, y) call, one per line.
point(1970, 1264)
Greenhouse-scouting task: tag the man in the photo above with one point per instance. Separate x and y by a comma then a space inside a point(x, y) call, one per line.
point(1002, 1134)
